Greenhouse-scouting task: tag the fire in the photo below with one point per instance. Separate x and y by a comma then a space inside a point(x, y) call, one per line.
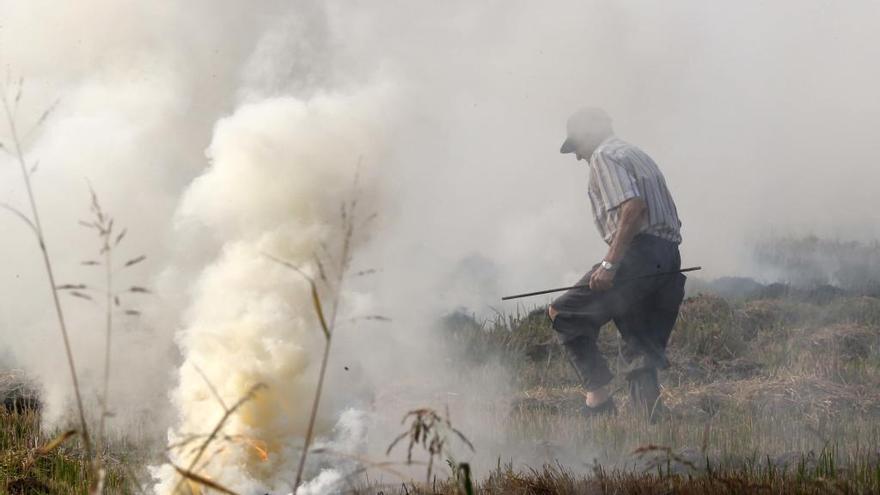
point(259, 446)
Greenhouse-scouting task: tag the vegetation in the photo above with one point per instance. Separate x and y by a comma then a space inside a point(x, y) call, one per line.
point(775, 393)
point(32, 462)
point(767, 394)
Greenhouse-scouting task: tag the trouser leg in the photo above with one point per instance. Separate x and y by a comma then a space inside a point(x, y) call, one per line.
point(644, 342)
point(577, 326)
point(642, 358)
point(644, 391)
point(646, 329)
point(583, 353)
point(644, 309)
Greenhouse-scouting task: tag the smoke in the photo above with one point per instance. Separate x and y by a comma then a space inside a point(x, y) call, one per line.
point(252, 320)
point(753, 113)
point(133, 118)
point(762, 117)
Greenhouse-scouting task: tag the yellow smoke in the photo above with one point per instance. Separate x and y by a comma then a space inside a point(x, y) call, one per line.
point(280, 170)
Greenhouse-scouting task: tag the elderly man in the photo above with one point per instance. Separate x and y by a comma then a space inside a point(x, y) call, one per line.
point(637, 218)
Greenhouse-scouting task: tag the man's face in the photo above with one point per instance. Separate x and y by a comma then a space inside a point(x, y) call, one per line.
point(582, 154)
point(585, 131)
point(585, 146)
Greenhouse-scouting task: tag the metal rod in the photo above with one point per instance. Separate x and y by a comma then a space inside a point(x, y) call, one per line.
point(560, 289)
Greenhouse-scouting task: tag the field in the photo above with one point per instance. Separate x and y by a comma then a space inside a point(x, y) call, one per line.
point(773, 390)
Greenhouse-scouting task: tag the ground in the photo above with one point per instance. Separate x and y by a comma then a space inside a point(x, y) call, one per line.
point(773, 390)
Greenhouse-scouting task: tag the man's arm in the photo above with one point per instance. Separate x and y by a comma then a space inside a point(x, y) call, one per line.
point(631, 214)
point(632, 211)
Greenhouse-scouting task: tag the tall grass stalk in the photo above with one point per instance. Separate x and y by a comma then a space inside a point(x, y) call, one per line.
point(104, 225)
point(36, 226)
point(327, 322)
point(108, 281)
point(189, 473)
point(327, 326)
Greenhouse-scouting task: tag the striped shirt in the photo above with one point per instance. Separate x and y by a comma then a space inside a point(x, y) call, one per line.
point(619, 171)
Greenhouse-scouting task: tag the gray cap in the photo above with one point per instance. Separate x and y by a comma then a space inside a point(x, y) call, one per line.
point(583, 124)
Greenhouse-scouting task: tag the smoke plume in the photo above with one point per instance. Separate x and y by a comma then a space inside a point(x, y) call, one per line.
point(252, 320)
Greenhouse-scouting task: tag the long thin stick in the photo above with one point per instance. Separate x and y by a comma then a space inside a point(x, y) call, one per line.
point(218, 427)
point(560, 289)
point(108, 261)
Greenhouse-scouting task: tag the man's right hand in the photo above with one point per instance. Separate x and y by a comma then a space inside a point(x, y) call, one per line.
point(552, 313)
point(601, 279)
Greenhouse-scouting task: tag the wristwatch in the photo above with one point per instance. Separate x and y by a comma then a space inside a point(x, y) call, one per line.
point(610, 267)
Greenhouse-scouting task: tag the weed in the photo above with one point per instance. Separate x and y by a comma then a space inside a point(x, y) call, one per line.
point(33, 221)
point(430, 430)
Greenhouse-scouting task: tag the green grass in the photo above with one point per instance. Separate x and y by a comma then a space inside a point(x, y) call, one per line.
point(61, 471)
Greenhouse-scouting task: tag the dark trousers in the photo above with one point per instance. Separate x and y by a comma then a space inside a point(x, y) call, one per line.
point(643, 310)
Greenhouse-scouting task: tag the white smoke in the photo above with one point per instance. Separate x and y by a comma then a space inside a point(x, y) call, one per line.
point(281, 169)
point(349, 440)
point(133, 118)
point(327, 481)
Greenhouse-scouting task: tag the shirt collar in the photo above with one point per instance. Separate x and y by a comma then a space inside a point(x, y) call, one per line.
point(602, 144)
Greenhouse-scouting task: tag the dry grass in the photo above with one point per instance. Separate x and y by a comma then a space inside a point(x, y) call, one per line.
point(191, 472)
point(790, 425)
point(33, 462)
point(431, 431)
point(781, 385)
point(554, 479)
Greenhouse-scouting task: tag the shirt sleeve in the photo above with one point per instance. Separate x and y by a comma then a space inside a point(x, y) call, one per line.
point(614, 182)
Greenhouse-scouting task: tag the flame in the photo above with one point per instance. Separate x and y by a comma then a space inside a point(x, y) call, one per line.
point(259, 446)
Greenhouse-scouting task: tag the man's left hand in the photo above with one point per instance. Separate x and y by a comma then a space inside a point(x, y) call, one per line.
point(601, 279)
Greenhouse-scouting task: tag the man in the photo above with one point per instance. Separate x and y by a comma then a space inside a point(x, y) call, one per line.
point(636, 216)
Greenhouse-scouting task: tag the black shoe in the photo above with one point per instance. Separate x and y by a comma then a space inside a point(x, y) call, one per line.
point(644, 392)
point(607, 408)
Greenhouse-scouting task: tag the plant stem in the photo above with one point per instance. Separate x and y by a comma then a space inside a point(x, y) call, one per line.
point(108, 262)
point(51, 275)
point(310, 431)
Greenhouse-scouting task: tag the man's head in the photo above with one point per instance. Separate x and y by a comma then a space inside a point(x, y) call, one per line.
point(586, 129)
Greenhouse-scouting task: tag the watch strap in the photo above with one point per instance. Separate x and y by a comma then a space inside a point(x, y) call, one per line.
point(608, 266)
